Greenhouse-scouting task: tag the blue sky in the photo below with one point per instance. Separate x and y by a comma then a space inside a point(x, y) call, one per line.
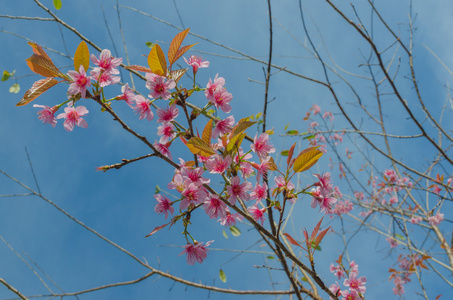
point(119, 204)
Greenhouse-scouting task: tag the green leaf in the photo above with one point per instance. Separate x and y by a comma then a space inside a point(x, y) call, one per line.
point(149, 45)
point(57, 4)
point(400, 236)
point(157, 190)
point(286, 127)
point(284, 153)
point(6, 75)
point(222, 276)
point(15, 88)
point(235, 231)
point(225, 234)
point(304, 279)
point(292, 132)
point(270, 257)
point(309, 137)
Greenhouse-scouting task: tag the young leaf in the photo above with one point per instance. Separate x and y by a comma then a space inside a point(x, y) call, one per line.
point(222, 276)
point(272, 165)
point(43, 66)
point(199, 147)
point(292, 132)
point(138, 68)
point(15, 88)
point(157, 62)
point(57, 4)
point(291, 240)
point(235, 142)
point(207, 133)
point(38, 50)
point(177, 74)
point(235, 231)
point(6, 75)
point(182, 51)
point(315, 230)
point(270, 257)
point(82, 57)
point(149, 45)
point(224, 234)
point(290, 154)
point(37, 89)
point(241, 127)
point(156, 229)
point(175, 45)
point(306, 159)
point(400, 236)
point(284, 153)
point(321, 236)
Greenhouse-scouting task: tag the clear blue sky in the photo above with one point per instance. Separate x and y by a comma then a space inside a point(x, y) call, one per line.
point(119, 204)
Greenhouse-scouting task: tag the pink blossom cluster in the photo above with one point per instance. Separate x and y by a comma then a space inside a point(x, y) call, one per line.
point(401, 276)
point(355, 286)
point(323, 193)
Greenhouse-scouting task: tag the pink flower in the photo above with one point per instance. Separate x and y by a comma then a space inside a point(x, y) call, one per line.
point(260, 192)
point(196, 62)
point(335, 289)
point(194, 175)
point(80, 82)
point(392, 241)
point(107, 62)
point(257, 214)
point(337, 271)
point(223, 126)
point(104, 78)
point(221, 100)
point(47, 114)
point(216, 164)
point(163, 149)
point(73, 117)
point(160, 87)
point(230, 219)
point(214, 207)
point(196, 252)
point(237, 190)
point(416, 219)
point(143, 108)
point(168, 114)
point(261, 146)
point(328, 114)
point(316, 109)
point(166, 131)
point(350, 295)
point(435, 220)
point(355, 284)
point(218, 83)
point(164, 205)
point(128, 95)
point(192, 195)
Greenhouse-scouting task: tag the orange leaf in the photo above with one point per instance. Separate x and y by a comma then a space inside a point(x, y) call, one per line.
point(43, 66)
point(321, 236)
point(38, 50)
point(207, 133)
point(182, 51)
point(37, 89)
point(291, 240)
point(306, 159)
point(272, 165)
point(82, 57)
point(199, 147)
point(157, 62)
point(315, 230)
point(175, 44)
point(139, 68)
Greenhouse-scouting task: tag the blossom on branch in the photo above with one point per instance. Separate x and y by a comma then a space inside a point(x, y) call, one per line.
point(47, 114)
point(73, 116)
point(80, 82)
point(196, 252)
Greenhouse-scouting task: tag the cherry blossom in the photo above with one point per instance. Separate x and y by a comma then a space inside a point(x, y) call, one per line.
point(104, 78)
point(47, 114)
point(128, 95)
point(259, 192)
point(261, 145)
point(218, 164)
point(223, 126)
point(168, 114)
point(196, 62)
point(192, 195)
point(160, 88)
point(393, 243)
point(355, 284)
point(163, 149)
point(237, 190)
point(166, 131)
point(80, 82)
point(107, 62)
point(211, 87)
point(196, 252)
point(73, 116)
point(164, 205)
point(143, 108)
point(230, 219)
point(221, 99)
point(337, 271)
point(436, 219)
point(214, 207)
point(257, 214)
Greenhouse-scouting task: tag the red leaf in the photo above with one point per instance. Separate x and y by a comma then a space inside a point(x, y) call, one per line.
point(156, 229)
point(37, 89)
point(175, 44)
point(290, 155)
point(139, 68)
point(315, 230)
point(321, 236)
point(291, 240)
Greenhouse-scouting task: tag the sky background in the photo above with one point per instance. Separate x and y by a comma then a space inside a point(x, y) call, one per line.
point(120, 205)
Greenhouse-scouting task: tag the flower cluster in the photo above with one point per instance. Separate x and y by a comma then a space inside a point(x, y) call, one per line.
point(355, 285)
